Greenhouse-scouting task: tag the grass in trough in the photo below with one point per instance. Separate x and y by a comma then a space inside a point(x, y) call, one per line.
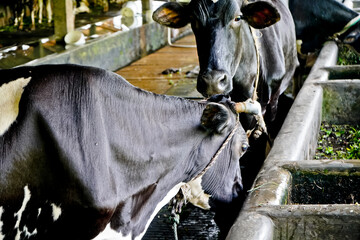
point(347, 56)
point(338, 142)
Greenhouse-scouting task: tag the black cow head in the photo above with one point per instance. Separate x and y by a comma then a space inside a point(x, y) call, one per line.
point(223, 180)
point(223, 37)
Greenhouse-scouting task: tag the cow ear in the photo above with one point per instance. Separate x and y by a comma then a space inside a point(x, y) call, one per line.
point(215, 117)
point(260, 14)
point(172, 14)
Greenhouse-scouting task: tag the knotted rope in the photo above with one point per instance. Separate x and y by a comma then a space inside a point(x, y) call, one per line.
point(183, 195)
point(351, 23)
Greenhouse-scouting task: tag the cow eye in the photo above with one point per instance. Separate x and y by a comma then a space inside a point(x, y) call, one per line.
point(238, 18)
point(244, 147)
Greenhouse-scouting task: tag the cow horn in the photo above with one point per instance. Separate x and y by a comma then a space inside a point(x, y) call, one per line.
point(249, 106)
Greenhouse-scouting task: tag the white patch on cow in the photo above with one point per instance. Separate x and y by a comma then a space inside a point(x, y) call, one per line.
point(29, 234)
point(39, 212)
point(9, 102)
point(214, 1)
point(18, 215)
point(17, 237)
point(163, 202)
point(1, 223)
point(27, 196)
point(194, 193)
point(299, 42)
point(56, 212)
point(110, 233)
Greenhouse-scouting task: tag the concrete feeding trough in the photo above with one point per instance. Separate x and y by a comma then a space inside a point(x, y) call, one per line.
point(322, 201)
point(294, 196)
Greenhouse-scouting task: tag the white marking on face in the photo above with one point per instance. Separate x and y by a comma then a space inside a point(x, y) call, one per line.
point(1, 223)
point(56, 212)
point(9, 102)
point(194, 193)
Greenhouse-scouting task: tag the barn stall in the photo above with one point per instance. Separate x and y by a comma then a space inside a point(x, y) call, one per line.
point(270, 205)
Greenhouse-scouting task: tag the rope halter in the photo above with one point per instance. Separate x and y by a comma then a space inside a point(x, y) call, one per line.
point(350, 24)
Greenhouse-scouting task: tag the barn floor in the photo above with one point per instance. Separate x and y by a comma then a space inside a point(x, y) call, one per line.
point(146, 73)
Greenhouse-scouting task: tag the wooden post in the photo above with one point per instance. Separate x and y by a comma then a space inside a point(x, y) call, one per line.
point(64, 19)
point(146, 11)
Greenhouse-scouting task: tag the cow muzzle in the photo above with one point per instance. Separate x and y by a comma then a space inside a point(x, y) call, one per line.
point(212, 82)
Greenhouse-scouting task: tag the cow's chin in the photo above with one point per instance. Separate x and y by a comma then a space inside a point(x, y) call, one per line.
point(220, 200)
point(221, 203)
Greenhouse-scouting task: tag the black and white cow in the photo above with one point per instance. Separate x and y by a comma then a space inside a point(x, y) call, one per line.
point(224, 31)
point(317, 21)
point(84, 154)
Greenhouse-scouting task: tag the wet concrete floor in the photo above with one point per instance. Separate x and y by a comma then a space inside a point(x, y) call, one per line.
point(180, 63)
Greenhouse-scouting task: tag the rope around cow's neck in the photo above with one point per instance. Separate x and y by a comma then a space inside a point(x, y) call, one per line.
point(351, 23)
point(216, 155)
point(256, 44)
point(175, 215)
point(254, 98)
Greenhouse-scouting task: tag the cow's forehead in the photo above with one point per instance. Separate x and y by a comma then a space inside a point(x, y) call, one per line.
point(220, 9)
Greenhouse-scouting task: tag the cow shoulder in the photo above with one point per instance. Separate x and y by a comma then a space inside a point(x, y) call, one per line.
point(9, 102)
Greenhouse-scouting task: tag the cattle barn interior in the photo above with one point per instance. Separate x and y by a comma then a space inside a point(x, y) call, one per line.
point(160, 72)
point(69, 31)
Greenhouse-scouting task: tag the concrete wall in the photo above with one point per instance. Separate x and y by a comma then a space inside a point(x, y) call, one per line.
point(114, 51)
point(295, 142)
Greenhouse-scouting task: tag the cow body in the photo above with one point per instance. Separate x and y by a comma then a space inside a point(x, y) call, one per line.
point(317, 21)
point(226, 47)
point(228, 35)
point(90, 155)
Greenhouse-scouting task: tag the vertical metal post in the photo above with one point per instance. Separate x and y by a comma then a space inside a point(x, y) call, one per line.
point(64, 19)
point(146, 11)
